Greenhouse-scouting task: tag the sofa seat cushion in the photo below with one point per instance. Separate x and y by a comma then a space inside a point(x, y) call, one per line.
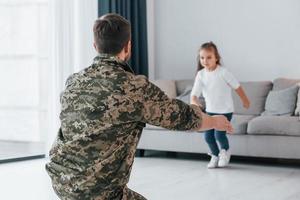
point(240, 123)
point(152, 127)
point(274, 125)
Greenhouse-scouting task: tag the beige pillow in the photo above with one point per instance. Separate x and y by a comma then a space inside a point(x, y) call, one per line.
point(297, 111)
point(168, 86)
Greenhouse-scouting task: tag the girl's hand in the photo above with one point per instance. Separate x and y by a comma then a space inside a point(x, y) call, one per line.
point(246, 104)
point(243, 96)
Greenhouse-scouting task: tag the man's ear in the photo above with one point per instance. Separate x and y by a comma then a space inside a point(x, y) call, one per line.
point(95, 46)
point(128, 47)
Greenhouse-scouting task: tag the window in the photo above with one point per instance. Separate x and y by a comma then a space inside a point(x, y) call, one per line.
point(24, 63)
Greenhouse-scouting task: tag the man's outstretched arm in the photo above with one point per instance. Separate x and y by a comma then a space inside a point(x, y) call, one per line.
point(158, 109)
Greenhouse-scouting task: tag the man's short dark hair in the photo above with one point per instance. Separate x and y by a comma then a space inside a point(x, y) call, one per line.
point(111, 33)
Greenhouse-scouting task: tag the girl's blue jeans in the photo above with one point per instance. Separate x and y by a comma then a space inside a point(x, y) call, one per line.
point(212, 136)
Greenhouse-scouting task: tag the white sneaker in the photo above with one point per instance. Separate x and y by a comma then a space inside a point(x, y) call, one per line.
point(213, 163)
point(224, 158)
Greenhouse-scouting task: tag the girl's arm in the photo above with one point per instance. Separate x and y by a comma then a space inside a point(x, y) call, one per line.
point(233, 82)
point(243, 97)
point(195, 101)
point(196, 91)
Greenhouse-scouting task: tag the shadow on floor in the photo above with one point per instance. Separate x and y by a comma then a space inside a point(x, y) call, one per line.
point(234, 159)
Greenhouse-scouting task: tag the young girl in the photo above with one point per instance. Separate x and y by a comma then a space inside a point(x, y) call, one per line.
point(215, 83)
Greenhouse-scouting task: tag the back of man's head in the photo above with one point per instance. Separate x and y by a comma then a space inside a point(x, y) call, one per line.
point(111, 33)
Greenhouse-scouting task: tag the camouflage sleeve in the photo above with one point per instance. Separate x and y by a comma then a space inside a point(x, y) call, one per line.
point(159, 110)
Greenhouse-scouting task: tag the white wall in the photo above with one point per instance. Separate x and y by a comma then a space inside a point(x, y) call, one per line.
point(257, 39)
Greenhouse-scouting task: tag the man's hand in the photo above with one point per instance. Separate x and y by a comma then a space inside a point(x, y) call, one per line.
point(218, 122)
point(221, 123)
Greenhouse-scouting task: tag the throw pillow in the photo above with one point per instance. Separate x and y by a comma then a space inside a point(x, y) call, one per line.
point(297, 111)
point(281, 102)
point(186, 96)
point(168, 86)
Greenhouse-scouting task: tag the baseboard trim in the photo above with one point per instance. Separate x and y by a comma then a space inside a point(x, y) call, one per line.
point(18, 159)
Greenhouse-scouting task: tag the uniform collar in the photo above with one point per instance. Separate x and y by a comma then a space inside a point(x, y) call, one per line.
point(103, 58)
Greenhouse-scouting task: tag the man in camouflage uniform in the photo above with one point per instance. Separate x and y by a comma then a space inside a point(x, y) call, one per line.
point(104, 109)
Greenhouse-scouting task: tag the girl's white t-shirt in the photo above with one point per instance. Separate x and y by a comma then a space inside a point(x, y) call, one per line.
point(215, 87)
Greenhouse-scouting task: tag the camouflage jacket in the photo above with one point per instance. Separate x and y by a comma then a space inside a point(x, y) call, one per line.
point(103, 111)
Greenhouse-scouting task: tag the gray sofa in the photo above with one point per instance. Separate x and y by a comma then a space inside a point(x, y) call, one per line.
point(257, 132)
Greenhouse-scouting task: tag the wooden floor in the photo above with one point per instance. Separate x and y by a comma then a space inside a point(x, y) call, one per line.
point(15, 151)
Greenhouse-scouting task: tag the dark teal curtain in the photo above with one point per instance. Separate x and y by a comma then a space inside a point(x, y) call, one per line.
point(135, 12)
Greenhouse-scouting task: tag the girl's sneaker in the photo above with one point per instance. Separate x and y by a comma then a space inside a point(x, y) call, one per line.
point(213, 163)
point(224, 158)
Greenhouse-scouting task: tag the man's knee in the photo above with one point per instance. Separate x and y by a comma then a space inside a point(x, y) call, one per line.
point(132, 195)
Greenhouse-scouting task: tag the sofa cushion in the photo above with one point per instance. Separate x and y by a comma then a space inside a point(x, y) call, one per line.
point(240, 123)
point(168, 86)
point(152, 127)
point(283, 83)
point(297, 111)
point(274, 125)
point(181, 85)
point(186, 96)
point(281, 102)
point(257, 93)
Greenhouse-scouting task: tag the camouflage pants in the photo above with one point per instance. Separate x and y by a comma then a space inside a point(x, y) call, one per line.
point(118, 194)
point(129, 194)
